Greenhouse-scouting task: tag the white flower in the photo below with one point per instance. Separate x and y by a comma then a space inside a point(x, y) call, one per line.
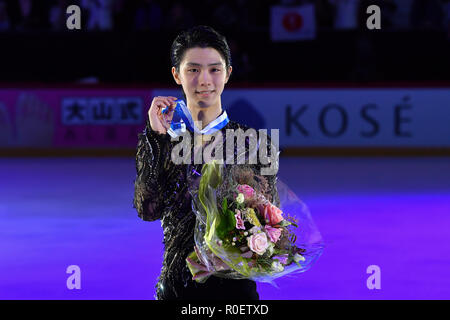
point(298, 257)
point(234, 239)
point(240, 198)
point(245, 233)
point(277, 266)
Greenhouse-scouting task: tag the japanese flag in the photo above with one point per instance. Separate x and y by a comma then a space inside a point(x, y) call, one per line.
point(293, 23)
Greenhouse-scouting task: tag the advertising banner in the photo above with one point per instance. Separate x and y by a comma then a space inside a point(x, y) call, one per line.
point(313, 117)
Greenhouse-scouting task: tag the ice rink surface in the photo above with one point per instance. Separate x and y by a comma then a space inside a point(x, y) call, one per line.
point(391, 212)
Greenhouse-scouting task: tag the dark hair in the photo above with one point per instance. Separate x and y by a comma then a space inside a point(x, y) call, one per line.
point(201, 37)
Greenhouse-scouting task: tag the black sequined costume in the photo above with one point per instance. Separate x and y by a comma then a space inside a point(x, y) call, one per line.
point(161, 192)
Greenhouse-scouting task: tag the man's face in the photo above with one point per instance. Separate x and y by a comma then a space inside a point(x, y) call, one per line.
point(203, 75)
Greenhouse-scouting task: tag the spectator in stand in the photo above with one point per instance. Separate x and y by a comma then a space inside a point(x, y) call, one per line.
point(100, 14)
point(4, 19)
point(401, 16)
point(346, 14)
point(149, 16)
point(57, 15)
point(28, 15)
point(25, 12)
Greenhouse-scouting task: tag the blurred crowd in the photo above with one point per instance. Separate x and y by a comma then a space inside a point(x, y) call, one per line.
point(233, 15)
point(114, 28)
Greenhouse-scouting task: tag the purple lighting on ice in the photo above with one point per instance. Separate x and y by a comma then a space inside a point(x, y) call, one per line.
point(389, 212)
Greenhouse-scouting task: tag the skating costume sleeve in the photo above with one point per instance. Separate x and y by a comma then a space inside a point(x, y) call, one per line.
point(152, 190)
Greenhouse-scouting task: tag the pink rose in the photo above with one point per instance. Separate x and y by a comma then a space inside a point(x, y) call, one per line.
point(272, 214)
point(239, 221)
point(273, 233)
point(258, 243)
point(246, 190)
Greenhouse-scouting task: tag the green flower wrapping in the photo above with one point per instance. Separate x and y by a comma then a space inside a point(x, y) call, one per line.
point(250, 239)
point(227, 258)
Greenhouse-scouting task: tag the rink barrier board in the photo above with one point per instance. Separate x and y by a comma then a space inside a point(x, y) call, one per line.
point(375, 120)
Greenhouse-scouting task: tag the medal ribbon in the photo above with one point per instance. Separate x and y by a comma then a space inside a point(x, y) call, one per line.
point(182, 119)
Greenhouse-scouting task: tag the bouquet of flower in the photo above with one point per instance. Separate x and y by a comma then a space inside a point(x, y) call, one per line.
point(241, 232)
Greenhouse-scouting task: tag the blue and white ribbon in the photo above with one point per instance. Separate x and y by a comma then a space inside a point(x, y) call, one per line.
point(182, 120)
